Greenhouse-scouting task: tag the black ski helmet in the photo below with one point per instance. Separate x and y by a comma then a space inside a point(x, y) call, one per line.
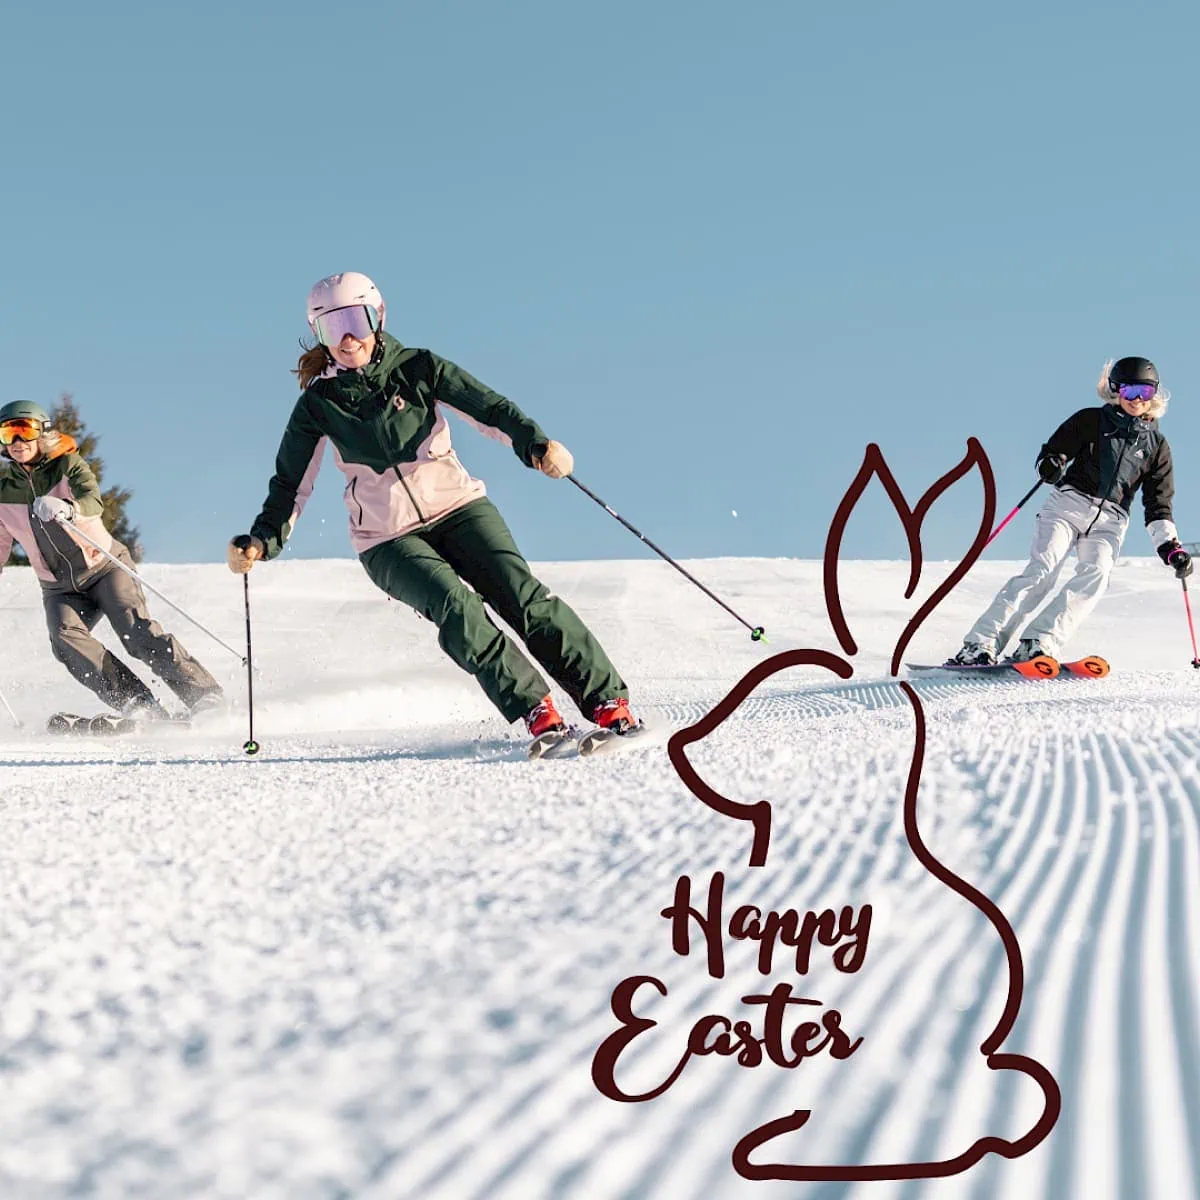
point(1131, 370)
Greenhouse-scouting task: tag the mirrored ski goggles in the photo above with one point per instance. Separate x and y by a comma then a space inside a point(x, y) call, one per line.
point(359, 322)
point(23, 429)
point(1137, 391)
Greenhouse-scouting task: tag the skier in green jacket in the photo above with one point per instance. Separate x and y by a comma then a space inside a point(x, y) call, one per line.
point(423, 527)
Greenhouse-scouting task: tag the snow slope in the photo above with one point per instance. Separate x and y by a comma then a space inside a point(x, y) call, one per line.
point(377, 960)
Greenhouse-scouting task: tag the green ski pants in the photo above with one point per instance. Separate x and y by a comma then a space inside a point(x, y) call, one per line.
point(431, 569)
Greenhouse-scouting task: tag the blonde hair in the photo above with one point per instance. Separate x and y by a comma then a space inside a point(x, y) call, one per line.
point(1158, 405)
point(312, 364)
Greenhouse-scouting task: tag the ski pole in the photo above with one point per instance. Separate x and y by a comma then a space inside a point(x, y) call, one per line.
point(1187, 604)
point(1024, 499)
point(112, 558)
point(251, 746)
point(757, 633)
point(15, 719)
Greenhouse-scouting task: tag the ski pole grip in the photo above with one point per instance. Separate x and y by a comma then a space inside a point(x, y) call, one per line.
point(242, 541)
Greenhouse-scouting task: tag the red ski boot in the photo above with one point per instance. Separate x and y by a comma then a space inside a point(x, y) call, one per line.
point(615, 723)
point(552, 736)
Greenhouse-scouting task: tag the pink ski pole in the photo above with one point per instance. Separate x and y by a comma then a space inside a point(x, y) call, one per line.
point(1191, 626)
point(1021, 504)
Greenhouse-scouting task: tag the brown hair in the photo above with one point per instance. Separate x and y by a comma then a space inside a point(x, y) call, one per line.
point(312, 364)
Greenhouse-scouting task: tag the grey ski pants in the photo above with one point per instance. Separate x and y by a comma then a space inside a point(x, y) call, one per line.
point(71, 616)
point(1067, 519)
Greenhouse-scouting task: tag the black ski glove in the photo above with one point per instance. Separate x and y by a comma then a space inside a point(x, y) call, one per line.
point(1174, 555)
point(1053, 467)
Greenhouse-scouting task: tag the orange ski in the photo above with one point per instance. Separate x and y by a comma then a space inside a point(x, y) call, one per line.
point(1041, 667)
point(1091, 667)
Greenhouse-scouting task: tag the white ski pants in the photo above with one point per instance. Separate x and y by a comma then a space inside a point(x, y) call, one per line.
point(1067, 519)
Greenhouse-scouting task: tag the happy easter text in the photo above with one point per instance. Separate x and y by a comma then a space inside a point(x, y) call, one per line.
point(783, 1036)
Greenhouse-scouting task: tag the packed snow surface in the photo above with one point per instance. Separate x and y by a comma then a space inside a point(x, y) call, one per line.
point(377, 960)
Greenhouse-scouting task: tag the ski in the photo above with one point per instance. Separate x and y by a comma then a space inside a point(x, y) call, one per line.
point(109, 724)
point(603, 741)
point(571, 742)
point(103, 724)
point(1041, 667)
point(1090, 667)
point(65, 722)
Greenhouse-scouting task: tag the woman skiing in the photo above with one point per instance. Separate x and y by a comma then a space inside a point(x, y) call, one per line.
point(421, 525)
point(46, 491)
point(1097, 459)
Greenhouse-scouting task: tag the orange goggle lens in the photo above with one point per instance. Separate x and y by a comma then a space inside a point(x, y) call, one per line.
point(24, 429)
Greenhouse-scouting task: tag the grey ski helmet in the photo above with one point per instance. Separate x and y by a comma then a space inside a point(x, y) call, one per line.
point(1131, 370)
point(24, 410)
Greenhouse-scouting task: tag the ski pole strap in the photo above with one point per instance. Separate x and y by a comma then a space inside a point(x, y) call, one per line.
point(757, 633)
point(112, 558)
point(1020, 505)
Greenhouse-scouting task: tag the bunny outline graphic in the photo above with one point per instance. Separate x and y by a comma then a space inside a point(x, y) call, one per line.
point(758, 816)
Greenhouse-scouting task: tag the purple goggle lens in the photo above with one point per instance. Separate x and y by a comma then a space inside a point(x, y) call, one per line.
point(359, 321)
point(1137, 391)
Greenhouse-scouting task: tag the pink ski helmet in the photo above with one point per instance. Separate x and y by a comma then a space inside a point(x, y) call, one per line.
point(349, 289)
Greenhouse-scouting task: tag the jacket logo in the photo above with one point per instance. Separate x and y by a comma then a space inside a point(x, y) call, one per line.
point(398, 402)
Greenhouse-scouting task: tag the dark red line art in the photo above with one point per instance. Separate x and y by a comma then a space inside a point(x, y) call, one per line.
point(759, 815)
point(874, 464)
point(760, 1136)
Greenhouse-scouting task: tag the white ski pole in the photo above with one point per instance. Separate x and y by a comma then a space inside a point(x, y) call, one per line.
point(15, 719)
point(112, 558)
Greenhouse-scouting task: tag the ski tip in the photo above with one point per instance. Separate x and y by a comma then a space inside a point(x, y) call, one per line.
point(64, 722)
point(557, 743)
point(601, 741)
point(1091, 667)
point(1041, 667)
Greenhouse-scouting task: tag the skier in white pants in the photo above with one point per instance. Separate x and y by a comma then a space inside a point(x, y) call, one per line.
point(1097, 460)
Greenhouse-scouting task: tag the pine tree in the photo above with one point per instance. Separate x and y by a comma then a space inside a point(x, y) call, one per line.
point(65, 418)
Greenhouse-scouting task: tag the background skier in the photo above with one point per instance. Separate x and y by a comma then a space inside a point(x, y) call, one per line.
point(45, 489)
point(1097, 460)
point(421, 525)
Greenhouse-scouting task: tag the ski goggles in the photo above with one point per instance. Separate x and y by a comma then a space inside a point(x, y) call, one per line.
point(23, 429)
point(1137, 391)
point(359, 321)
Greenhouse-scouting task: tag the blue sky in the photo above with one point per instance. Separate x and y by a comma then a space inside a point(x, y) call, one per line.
point(716, 249)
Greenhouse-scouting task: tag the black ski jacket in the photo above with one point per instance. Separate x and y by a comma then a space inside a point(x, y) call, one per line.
point(1113, 454)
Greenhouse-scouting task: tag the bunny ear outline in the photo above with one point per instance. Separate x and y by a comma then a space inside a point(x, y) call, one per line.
point(758, 814)
point(875, 465)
